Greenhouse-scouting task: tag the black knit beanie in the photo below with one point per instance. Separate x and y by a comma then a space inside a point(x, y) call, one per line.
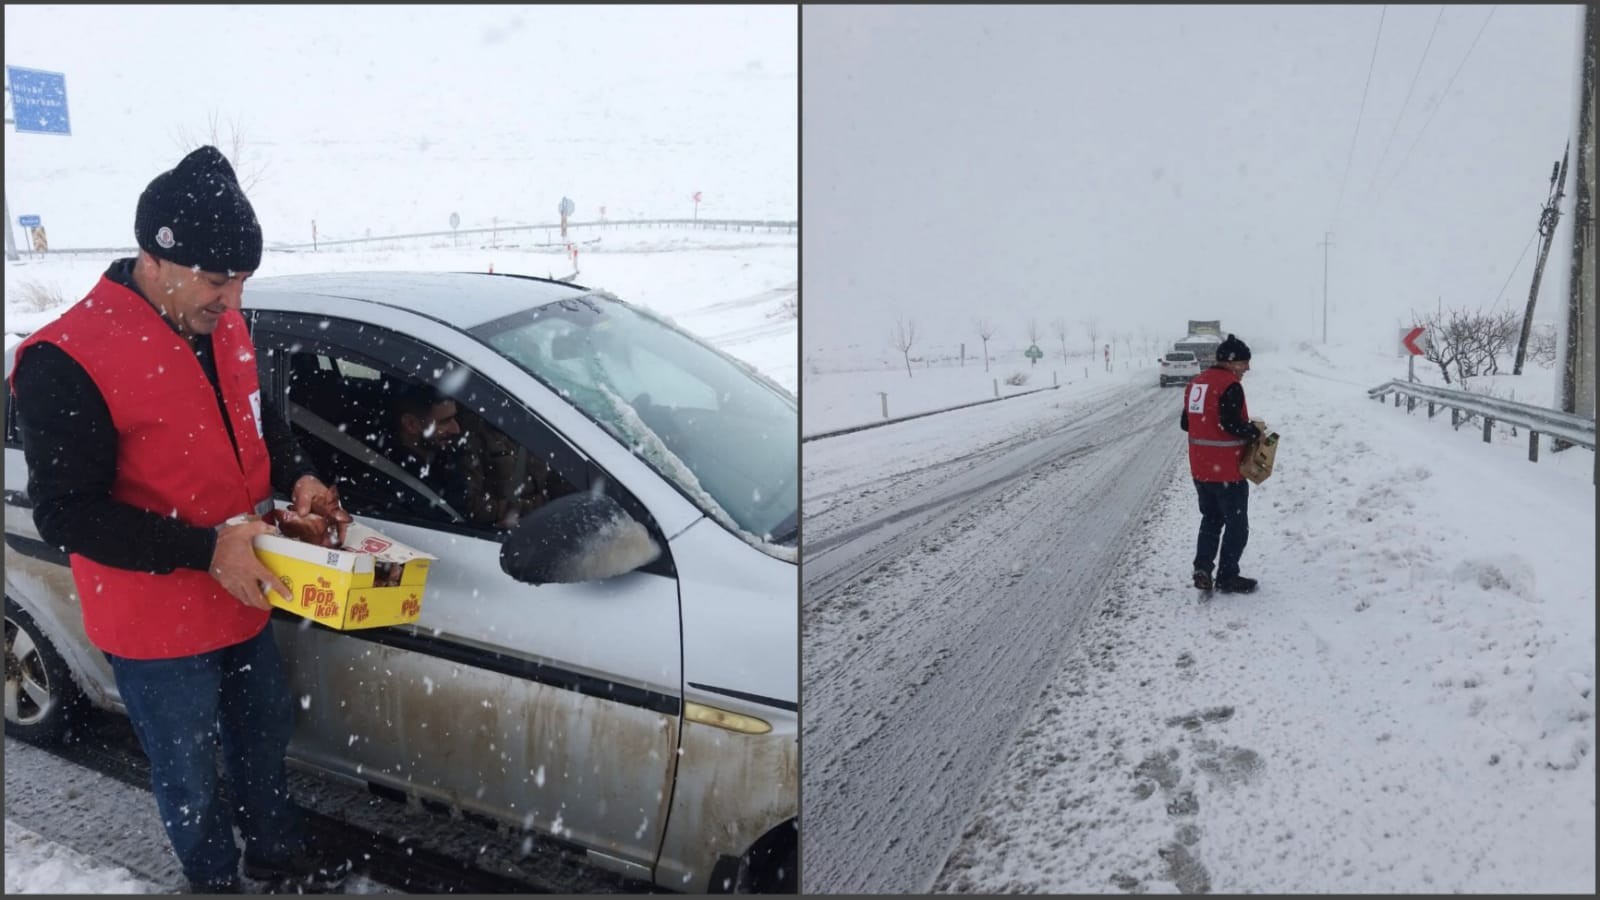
point(197, 215)
point(1232, 350)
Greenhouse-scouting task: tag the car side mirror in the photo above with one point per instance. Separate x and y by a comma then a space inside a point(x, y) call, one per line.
point(575, 538)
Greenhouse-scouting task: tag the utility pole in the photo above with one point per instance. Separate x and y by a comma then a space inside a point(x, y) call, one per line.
point(1578, 356)
point(1325, 245)
point(1548, 218)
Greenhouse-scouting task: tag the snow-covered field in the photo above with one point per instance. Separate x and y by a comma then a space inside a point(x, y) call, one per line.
point(1406, 705)
point(730, 288)
point(838, 397)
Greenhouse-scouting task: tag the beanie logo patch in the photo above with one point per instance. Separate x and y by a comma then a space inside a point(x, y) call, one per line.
point(164, 238)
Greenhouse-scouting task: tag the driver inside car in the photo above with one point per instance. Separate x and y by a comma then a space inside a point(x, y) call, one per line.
point(474, 467)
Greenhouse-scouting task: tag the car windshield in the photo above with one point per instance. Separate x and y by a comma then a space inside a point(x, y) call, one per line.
point(1180, 357)
point(711, 425)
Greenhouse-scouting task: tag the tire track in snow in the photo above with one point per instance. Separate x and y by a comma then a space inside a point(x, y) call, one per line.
point(930, 627)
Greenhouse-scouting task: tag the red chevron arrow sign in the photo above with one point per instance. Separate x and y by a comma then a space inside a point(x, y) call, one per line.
point(1409, 340)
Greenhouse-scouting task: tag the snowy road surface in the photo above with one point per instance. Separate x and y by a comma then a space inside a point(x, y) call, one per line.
point(937, 598)
point(1406, 706)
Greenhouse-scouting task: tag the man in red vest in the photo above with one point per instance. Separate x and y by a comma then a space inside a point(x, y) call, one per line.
point(142, 424)
point(1218, 422)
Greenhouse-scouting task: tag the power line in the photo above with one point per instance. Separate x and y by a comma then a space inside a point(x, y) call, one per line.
point(1407, 102)
point(1346, 180)
point(1501, 294)
point(1442, 97)
point(1514, 269)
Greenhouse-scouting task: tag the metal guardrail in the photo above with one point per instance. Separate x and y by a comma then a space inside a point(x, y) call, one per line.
point(1564, 426)
point(932, 412)
point(753, 225)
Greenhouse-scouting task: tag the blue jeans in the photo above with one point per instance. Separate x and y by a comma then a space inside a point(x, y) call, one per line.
point(1224, 517)
point(181, 708)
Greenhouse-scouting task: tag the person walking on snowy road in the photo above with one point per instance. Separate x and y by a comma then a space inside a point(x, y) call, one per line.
point(1220, 433)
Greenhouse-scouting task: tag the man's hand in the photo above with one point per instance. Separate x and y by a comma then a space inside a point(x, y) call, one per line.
point(312, 496)
point(234, 564)
point(306, 490)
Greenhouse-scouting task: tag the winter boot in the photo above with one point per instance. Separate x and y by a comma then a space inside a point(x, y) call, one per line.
point(298, 875)
point(1202, 579)
point(1236, 584)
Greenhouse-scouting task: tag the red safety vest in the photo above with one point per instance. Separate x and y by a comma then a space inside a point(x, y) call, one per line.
point(173, 458)
point(1214, 454)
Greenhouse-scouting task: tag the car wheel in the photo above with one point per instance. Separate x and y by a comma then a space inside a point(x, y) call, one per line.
point(772, 865)
point(779, 875)
point(41, 696)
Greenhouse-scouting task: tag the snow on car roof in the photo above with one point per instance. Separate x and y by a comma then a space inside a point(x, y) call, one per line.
point(463, 300)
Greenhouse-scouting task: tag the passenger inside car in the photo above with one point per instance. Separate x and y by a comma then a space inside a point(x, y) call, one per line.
point(399, 448)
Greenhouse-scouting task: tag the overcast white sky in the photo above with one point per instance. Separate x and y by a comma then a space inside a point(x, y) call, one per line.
point(1155, 164)
point(396, 116)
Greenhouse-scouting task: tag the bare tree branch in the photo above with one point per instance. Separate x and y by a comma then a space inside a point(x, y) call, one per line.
point(986, 331)
point(904, 336)
point(1470, 342)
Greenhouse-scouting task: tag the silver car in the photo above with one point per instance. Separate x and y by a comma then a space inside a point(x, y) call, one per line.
point(648, 717)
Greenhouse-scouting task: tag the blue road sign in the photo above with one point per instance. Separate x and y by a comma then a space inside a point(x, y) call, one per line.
point(28, 221)
point(39, 101)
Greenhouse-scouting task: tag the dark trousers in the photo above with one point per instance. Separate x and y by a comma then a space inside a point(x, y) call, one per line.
point(1224, 518)
point(181, 709)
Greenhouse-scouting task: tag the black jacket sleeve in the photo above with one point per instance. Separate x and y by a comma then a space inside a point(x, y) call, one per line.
point(1231, 410)
point(70, 444)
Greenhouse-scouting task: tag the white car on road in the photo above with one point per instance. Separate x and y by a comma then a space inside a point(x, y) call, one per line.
point(1178, 366)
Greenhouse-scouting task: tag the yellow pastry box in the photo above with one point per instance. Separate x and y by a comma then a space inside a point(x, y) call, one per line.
point(371, 582)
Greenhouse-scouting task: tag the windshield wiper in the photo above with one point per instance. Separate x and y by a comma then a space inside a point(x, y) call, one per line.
point(787, 530)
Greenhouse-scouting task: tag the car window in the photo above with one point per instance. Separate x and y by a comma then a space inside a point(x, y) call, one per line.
point(1180, 357)
point(721, 434)
point(336, 380)
point(460, 469)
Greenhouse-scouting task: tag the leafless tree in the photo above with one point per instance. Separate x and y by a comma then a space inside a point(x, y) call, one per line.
point(905, 334)
point(1034, 333)
point(1542, 345)
point(1058, 327)
point(229, 137)
point(1470, 342)
point(1092, 326)
point(986, 331)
